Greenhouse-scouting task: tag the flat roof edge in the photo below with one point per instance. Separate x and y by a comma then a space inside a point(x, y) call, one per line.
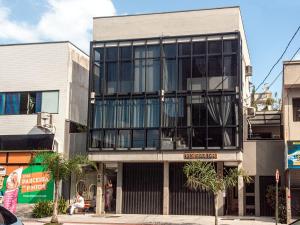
point(45, 43)
point(166, 12)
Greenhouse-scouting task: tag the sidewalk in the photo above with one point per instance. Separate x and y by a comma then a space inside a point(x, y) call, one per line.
point(24, 213)
point(134, 219)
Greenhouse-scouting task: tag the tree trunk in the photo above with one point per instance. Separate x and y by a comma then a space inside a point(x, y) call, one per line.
point(54, 218)
point(216, 208)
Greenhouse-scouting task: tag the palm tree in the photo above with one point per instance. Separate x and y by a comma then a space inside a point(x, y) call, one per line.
point(60, 169)
point(202, 175)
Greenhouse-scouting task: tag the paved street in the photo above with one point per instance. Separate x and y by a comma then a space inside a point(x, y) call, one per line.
point(153, 220)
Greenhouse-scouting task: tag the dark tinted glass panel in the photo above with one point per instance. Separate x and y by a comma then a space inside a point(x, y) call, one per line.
point(296, 109)
point(139, 75)
point(198, 137)
point(169, 112)
point(214, 66)
point(198, 111)
point(230, 65)
point(199, 67)
point(2, 103)
point(250, 200)
point(112, 53)
point(250, 188)
point(199, 48)
point(109, 114)
point(12, 103)
point(184, 70)
point(126, 52)
point(124, 113)
point(32, 103)
point(23, 103)
point(26, 142)
point(124, 139)
point(168, 139)
point(138, 114)
point(214, 47)
point(98, 54)
point(169, 74)
point(152, 138)
point(230, 46)
point(111, 69)
point(230, 137)
point(182, 112)
point(97, 114)
point(153, 75)
point(126, 81)
point(139, 51)
point(169, 50)
point(98, 78)
point(214, 137)
point(110, 139)
point(96, 139)
point(182, 140)
point(184, 49)
point(153, 51)
point(138, 139)
point(229, 109)
point(214, 110)
point(153, 112)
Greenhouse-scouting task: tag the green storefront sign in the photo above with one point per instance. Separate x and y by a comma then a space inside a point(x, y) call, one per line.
point(36, 185)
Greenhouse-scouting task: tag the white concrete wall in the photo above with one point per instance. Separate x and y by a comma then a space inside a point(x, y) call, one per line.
point(36, 67)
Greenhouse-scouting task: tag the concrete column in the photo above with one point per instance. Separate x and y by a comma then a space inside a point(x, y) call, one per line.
point(100, 190)
point(166, 189)
point(220, 169)
point(257, 196)
point(119, 188)
point(241, 192)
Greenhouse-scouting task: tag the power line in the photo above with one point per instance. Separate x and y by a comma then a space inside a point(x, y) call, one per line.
point(279, 58)
point(281, 72)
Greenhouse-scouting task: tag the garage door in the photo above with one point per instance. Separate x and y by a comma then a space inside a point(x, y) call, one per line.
point(184, 201)
point(142, 188)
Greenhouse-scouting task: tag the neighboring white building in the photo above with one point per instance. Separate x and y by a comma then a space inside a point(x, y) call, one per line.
point(47, 77)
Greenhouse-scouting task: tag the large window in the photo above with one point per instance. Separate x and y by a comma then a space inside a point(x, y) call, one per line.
point(185, 64)
point(296, 109)
point(168, 94)
point(14, 103)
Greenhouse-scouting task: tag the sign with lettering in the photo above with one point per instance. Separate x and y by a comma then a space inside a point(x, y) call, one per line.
point(293, 156)
point(198, 155)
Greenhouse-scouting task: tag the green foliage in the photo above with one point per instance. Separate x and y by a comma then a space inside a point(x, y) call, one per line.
point(42, 209)
point(271, 200)
point(270, 101)
point(45, 208)
point(203, 175)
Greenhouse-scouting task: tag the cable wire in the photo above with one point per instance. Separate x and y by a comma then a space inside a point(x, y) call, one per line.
point(286, 48)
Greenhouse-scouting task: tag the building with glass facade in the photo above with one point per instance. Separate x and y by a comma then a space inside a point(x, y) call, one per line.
point(167, 88)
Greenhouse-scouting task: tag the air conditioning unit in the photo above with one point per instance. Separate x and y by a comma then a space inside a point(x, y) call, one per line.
point(44, 120)
point(251, 112)
point(248, 70)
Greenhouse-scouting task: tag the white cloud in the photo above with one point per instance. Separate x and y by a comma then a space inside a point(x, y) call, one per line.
point(63, 20)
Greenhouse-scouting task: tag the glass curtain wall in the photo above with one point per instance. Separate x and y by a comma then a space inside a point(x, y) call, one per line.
point(200, 107)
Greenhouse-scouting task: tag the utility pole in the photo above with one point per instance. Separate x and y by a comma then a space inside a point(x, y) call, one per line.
point(276, 208)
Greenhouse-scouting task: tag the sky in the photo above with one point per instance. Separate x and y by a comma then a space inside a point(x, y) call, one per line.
point(269, 24)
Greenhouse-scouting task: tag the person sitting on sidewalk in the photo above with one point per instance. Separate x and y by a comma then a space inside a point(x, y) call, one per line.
point(78, 204)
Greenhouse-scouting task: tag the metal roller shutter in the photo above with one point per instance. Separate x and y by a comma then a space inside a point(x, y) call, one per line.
point(142, 188)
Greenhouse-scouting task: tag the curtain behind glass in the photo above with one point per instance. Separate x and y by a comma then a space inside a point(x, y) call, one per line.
point(109, 114)
point(2, 103)
point(169, 112)
point(226, 111)
point(12, 103)
point(153, 75)
point(137, 118)
point(153, 111)
point(124, 139)
point(214, 109)
point(97, 117)
point(124, 108)
point(169, 74)
point(110, 139)
point(139, 68)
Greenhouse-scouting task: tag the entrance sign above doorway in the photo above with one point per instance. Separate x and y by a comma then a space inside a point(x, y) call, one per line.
point(197, 155)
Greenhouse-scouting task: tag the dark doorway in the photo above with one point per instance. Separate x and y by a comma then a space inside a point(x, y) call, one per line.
point(142, 188)
point(184, 201)
point(264, 182)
